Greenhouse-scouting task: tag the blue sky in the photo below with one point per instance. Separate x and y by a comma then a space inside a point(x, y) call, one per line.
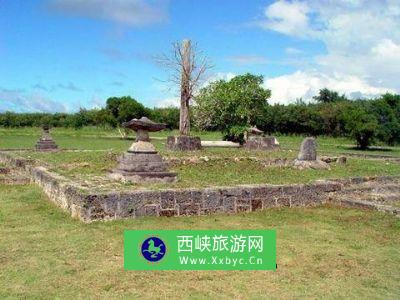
point(59, 55)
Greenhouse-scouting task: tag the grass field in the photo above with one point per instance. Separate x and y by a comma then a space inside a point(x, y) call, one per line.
point(214, 166)
point(108, 139)
point(323, 252)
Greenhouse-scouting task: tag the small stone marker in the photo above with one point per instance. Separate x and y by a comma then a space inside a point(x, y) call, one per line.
point(142, 163)
point(257, 141)
point(46, 143)
point(307, 158)
point(308, 150)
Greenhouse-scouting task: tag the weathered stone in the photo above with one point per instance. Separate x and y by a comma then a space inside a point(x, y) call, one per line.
point(283, 200)
point(269, 202)
point(168, 212)
point(141, 163)
point(142, 126)
point(307, 158)
point(142, 147)
point(183, 197)
point(256, 204)
point(308, 164)
point(261, 143)
point(229, 205)
point(197, 195)
point(46, 143)
point(167, 200)
point(212, 202)
point(243, 208)
point(147, 210)
point(183, 143)
point(189, 208)
point(151, 197)
point(308, 149)
point(89, 205)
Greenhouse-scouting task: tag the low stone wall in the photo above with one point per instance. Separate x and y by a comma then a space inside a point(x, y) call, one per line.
point(88, 205)
point(177, 202)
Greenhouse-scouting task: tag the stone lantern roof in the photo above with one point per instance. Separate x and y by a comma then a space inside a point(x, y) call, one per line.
point(144, 124)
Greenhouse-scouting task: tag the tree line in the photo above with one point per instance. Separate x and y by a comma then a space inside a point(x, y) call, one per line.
point(232, 106)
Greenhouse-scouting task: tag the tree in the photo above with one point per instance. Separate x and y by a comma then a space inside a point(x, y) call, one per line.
point(361, 125)
point(125, 108)
point(167, 115)
point(328, 96)
point(232, 106)
point(187, 68)
point(389, 126)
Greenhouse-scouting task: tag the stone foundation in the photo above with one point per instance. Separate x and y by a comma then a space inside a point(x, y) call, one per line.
point(310, 164)
point(46, 145)
point(261, 143)
point(183, 143)
point(89, 205)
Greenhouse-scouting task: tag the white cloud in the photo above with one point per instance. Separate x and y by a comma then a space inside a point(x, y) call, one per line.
point(362, 41)
point(219, 76)
point(288, 17)
point(126, 12)
point(305, 85)
point(19, 101)
point(293, 51)
point(168, 102)
point(248, 60)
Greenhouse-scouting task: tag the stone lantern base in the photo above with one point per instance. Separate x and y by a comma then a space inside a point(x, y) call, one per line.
point(46, 145)
point(261, 143)
point(183, 143)
point(141, 163)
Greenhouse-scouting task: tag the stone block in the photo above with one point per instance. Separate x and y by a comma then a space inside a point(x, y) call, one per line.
point(243, 208)
point(189, 208)
point(167, 199)
point(183, 143)
point(168, 212)
point(147, 210)
point(256, 204)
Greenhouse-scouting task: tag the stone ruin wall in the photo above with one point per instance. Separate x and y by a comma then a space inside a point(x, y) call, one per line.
point(89, 206)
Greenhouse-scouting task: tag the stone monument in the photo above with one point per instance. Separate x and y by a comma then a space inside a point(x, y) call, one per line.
point(183, 143)
point(142, 163)
point(256, 140)
point(307, 158)
point(46, 143)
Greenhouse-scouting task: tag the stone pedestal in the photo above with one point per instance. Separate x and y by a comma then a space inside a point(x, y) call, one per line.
point(183, 143)
point(261, 143)
point(142, 163)
point(46, 143)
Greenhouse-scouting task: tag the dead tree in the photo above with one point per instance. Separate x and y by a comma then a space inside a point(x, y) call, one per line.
point(187, 67)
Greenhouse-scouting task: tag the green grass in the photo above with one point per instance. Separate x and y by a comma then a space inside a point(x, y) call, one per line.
point(221, 170)
point(107, 139)
point(227, 166)
point(323, 252)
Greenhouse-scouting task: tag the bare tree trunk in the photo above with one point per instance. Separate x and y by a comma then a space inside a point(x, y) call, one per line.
point(184, 122)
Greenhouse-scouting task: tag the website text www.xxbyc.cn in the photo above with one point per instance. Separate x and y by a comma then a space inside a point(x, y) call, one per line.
point(220, 260)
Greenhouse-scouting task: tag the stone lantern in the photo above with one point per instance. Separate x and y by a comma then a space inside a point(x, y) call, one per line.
point(46, 142)
point(142, 163)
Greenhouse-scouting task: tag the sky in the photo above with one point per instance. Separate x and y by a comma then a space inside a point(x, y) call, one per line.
point(63, 55)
